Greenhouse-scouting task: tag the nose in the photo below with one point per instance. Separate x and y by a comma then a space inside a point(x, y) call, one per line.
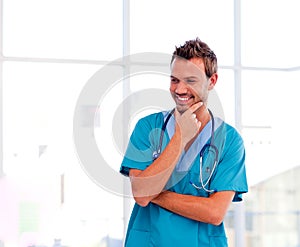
point(181, 88)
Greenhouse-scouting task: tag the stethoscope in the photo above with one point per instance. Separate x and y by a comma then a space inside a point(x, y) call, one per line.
point(207, 147)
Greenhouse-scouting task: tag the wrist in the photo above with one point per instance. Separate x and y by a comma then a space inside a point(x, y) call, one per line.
point(178, 138)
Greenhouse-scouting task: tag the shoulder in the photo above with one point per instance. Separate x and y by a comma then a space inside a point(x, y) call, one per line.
point(229, 140)
point(154, 120)
point(227, 130)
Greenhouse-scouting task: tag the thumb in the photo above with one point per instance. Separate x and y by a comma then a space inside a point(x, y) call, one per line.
point(177, 114)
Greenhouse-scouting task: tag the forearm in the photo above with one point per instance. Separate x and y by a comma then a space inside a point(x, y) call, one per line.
point(210, 210)
point(147, 184)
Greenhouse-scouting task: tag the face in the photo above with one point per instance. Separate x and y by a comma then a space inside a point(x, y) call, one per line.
point(189, 83)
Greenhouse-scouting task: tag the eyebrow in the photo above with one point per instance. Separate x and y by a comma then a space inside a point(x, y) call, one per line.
point(185, 78)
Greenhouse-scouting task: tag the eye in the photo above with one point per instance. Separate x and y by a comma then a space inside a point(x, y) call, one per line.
point(174, 80)
point(190, 81)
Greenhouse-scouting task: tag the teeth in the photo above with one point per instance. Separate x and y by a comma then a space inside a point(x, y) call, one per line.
point(183, 99)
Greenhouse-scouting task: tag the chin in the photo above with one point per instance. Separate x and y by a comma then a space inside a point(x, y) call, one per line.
point(181, 109)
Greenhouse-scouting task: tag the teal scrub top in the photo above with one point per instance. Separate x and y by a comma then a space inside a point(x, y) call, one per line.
point(155, 226)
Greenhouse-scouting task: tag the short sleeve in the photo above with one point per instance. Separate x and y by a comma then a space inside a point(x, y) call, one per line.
point(142, 143)
point(231, 172)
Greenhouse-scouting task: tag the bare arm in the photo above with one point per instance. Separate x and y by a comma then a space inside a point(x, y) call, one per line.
point(147, 184)
point(210, 210)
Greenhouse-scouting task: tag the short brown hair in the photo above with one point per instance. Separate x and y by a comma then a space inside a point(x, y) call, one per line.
point(198, 49)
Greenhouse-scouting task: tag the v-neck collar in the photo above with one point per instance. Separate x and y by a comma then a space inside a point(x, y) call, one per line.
point(187, 157)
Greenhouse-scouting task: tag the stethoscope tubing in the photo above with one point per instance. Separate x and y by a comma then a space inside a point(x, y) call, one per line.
point(210, 145)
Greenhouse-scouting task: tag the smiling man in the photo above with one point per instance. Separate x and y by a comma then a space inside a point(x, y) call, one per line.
point(185, 165)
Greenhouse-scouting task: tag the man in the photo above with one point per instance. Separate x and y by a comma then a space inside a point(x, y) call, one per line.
point(185, 174)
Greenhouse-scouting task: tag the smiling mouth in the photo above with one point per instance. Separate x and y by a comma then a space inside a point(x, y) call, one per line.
point(183, 99)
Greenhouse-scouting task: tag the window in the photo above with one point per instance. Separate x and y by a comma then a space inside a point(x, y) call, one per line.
point(51, 49)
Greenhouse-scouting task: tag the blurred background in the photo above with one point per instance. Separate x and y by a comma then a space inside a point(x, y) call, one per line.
point(49, 49)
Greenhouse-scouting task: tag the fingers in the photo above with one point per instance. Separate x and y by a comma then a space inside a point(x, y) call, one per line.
point(187, 123)
point(198, 123)
point(195, 106)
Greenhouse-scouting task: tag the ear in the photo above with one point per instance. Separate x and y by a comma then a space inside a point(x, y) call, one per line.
point(212, 81)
